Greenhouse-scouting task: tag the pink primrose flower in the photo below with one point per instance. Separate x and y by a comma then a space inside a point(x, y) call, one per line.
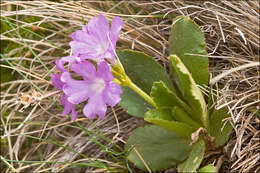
point(96, 87)
point(95, 41)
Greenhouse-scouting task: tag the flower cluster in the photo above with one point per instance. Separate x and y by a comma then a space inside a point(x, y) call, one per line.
point(96, 42)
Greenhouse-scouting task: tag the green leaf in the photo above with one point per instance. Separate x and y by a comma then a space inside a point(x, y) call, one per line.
point(194, 159)
point(158, 148)
point(161, 118)
point(143, 70)
point(164, 114)
point(133, 103)
point(181, 116)
point(208, 169)
point(218, 128)
point(187, 38)
point(190, 92)
point(164, 98)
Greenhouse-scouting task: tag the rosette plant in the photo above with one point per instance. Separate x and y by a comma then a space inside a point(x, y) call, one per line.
point(183, 123)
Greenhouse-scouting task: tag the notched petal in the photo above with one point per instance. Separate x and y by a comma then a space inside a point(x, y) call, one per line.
point(95, 107)
point(116, 26)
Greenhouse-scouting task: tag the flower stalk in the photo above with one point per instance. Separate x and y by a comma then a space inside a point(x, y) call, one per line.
point(121, 77)
point(140, 92)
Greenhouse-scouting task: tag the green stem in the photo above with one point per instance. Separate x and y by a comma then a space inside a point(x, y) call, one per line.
point(119, 73)
point(134, 87)
point(116, 74)
point(206, 121)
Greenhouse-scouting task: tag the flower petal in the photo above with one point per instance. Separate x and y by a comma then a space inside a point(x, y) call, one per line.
point(104, 71)
point(60, 62)
point(99, 27)
point(103, 29)
point(80, 36)
point(95, 106)
point(87, 50)
point(92, 42)
point(79, 48)
point(68, 107)
point(73, 114)
point(56, 81)
point(110, 55)
point(79, 97)
point(91, 24)
point(65, 77)
point(84, 68)
point(77, 90)
point(112, 94)
point(116, 26)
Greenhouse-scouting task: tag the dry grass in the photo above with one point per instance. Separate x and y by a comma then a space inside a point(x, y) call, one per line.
point(232, 35)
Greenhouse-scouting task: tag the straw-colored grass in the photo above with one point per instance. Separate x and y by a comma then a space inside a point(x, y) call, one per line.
point(39, 133)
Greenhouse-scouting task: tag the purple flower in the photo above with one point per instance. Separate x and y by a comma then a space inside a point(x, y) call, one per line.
point(95, 41)
point(68, 107)
point(70, 59)
point(97, 87)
